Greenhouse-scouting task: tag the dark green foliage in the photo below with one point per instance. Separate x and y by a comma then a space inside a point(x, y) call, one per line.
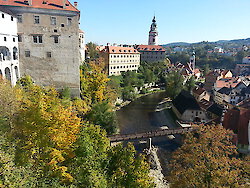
point(190, 84)
point(92, 53)
point(128, 93)
point(65, 93)
point(102, 114)
point(179, 57)
point(174, 83)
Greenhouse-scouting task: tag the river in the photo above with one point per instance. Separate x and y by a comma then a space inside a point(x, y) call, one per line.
point(140, 116)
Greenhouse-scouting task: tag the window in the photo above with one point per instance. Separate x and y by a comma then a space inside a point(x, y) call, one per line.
point(15, 53)
point(53, 20)
point(27, 53)
point(38, 39)
point(49, 55)
point(69, 21)
point(62, 25)
point(19, 18)
point(36, 19)
point(56, 39)
point(19, 38)
point(55, 30)
point(14, 40)
point(12, 19)
point(5, 39)
point(2, 15)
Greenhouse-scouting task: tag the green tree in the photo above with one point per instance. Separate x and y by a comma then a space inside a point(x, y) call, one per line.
point(206, 159)
point(190, 84)
point(128, 93)
point(174, 83)
point(206, 69)
point(102, 114)
point(97, 164)
point(92, 53)
point(89, 164)
point(126, 170)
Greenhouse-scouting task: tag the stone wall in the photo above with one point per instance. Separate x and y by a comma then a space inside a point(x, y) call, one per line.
point(48, 62)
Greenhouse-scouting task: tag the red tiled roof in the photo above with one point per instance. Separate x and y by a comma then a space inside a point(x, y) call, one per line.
point(196, 71)
point(227, 82)
point(120, 50)
point(50, 4)
point(150, 48)
point(237, 119)
point(245, 104)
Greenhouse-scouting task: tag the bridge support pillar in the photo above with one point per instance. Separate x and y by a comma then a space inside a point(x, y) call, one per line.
point(150, 143)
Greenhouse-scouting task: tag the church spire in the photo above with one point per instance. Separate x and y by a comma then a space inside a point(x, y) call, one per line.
point(153, 33)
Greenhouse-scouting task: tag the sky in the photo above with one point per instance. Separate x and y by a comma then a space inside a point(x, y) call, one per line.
point(128, 21)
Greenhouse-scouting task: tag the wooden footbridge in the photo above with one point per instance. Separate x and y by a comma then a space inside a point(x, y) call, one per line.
point(151, 134)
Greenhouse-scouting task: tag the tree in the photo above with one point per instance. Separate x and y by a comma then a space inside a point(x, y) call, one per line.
point(90, 162)
point(45, 130)
point(97, 164)
point(174, 83)
point(8, 104)
point(190, 84)
point(206, 159)
point(206, 69)
point(126, 170)
point(92, 53)
point(102, 114)
point(128, 93)
point(94, 81)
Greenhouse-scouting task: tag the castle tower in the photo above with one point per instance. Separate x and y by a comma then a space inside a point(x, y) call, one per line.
point(192, 61)
point(153, 33)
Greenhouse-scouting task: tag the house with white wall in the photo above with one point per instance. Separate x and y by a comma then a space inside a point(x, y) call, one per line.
point(9, 59)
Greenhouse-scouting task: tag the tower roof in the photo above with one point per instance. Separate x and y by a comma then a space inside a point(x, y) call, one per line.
point(154, 20)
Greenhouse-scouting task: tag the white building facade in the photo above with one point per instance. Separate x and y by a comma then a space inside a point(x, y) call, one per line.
point(120, 59)
point(82, 45)
point(9, 59)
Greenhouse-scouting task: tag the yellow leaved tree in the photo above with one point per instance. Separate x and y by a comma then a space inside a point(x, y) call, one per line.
point(94, 82)
point(45, 128)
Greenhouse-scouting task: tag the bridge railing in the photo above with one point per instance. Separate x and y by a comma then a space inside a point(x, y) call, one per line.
point(157, 133)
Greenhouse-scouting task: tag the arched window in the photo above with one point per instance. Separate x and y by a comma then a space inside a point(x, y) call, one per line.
point(4, 53)
point(7, 74)
point(16, 72)
point(15, 53)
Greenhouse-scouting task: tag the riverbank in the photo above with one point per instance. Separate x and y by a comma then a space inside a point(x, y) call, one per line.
point(125, 103)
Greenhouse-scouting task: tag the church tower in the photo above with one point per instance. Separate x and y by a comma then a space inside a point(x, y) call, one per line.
point(153, 33)
point(192, 61)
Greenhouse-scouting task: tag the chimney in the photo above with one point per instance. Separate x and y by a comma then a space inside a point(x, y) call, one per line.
point(76, 4)
point(64, 4)
point(30, 2)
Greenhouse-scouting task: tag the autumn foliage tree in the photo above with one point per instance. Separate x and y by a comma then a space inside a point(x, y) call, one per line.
point(45, 129)
point(94, 81)
point(44, 143)
point(207, 159)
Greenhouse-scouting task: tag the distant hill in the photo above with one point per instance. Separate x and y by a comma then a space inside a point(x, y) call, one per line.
point(237, 42)
point(176, 44)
